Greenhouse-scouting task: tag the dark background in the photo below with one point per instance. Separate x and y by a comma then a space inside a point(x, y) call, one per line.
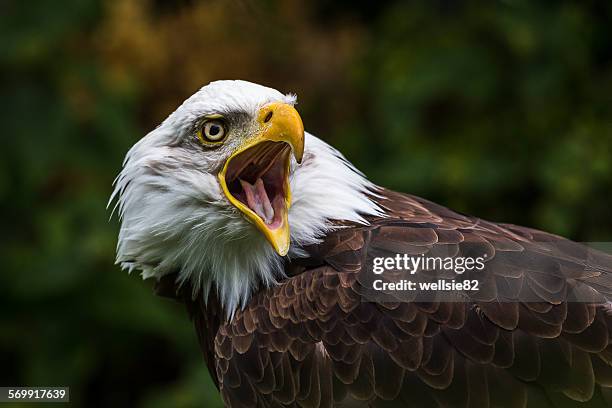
point(500, 109)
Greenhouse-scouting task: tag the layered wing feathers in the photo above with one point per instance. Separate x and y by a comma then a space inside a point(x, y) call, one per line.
point(313, 341)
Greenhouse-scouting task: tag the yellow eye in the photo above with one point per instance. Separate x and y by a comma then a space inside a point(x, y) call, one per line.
point(213, 131)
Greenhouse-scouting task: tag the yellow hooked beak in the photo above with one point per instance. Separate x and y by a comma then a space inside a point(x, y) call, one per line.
point(255, 178)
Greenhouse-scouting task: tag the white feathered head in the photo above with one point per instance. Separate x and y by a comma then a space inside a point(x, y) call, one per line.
point(217, 193)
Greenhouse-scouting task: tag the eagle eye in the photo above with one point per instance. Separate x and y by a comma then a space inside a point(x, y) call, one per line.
point(212, 131)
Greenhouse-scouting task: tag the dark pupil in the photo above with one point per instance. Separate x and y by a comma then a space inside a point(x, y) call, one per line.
point(214, 130)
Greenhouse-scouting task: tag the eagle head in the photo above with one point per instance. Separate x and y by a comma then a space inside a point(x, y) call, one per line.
point(228, 188)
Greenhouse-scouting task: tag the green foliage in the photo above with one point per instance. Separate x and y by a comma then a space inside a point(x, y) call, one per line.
point(501, 109)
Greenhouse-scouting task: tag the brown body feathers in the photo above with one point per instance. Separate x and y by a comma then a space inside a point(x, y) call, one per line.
point(312, 341)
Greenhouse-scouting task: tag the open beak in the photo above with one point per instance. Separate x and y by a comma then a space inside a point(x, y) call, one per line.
point(255, 178)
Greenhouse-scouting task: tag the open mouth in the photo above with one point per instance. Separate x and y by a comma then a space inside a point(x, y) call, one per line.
point(257, 178)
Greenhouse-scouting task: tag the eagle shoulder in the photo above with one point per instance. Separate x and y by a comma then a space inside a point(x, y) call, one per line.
point(313, 340)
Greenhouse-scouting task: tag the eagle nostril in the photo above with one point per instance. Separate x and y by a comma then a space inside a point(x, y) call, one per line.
point(268, 117)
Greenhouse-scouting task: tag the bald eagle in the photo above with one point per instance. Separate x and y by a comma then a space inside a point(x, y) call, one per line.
point(269, 236)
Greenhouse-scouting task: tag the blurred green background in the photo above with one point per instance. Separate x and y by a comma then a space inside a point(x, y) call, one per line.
point(500, 109)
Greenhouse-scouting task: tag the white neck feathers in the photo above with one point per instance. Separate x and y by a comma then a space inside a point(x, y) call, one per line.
point(190, 228)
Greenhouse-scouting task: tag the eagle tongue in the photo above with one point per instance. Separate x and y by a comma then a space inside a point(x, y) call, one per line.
point(258, 200)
